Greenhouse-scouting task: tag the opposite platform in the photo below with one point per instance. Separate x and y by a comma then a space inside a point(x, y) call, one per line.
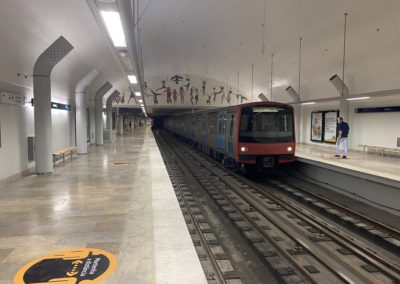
point(118, 198)
point(372, 179)
point(374, 165)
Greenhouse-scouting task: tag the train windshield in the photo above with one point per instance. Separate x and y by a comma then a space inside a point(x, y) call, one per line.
point(266, 125)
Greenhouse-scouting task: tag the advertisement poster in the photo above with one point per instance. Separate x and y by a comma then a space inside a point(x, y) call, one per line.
point(330, 127)
point(316, 126)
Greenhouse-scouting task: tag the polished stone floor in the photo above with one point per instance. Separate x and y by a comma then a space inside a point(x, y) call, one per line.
point(127, 209)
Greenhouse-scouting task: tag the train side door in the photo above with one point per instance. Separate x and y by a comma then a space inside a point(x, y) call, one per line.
point(221, 130)
point(231, 132)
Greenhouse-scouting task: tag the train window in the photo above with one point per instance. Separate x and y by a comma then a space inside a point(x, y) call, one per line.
point(222, 123)
point(212, 122)
point(266, 125)
point(231, 126)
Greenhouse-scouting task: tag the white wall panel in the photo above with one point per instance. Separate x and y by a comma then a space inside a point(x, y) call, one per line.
point(16, 125)
point(380, 129)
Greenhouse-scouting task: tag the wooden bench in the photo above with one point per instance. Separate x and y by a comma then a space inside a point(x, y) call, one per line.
point(60, 154)
point(380, 149)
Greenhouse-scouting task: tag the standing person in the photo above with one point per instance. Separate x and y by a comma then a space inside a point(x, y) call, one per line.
point(342, 137)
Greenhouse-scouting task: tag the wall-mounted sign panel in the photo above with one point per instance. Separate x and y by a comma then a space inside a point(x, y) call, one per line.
point(378, 109)
point(61, 106)
point(14, 99)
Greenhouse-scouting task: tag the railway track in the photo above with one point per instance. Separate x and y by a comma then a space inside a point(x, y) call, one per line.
point(384, 234)
point(216, 264)
point(298, 245)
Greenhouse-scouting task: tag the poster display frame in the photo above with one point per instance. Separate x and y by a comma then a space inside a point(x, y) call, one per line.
point(316, 133)
point(322, 126)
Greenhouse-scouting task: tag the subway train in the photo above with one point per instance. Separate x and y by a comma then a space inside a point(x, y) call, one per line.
point(253, 137)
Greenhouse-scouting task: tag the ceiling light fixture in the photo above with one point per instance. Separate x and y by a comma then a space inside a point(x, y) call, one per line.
point(132, 79)
point(359, 98)
point(309, 103)
point(140, 101)
point(123, 53)
point(113, 23)
point(138, 94)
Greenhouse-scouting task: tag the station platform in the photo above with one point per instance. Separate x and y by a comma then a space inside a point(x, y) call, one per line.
point(374, 165)
point(372, 179)
point(117, 198)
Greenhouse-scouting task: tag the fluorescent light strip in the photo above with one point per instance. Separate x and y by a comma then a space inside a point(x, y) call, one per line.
point(309, 103)
point(114, 27)
point(138, 94)
point(359, 98)
point(132, 79)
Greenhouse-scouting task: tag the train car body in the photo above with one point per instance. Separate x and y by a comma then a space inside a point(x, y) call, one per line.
point(259, 135)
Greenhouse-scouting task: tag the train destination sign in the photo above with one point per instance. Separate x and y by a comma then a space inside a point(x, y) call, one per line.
point(74, 266)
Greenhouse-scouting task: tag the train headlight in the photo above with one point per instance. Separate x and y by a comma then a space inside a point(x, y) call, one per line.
point(244, 149)
point(289, 149)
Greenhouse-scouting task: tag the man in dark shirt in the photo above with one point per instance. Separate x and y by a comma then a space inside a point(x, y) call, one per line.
point(342, 137)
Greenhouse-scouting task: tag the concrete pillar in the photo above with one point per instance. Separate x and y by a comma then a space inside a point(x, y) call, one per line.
point(99, 111)
point(109, 101)
point(121, 124)
point(80, 103)
point(42, 101)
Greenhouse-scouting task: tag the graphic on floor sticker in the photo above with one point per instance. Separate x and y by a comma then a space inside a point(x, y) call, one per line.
point(73, 266)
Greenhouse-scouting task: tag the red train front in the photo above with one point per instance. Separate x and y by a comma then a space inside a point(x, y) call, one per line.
point(266, 135)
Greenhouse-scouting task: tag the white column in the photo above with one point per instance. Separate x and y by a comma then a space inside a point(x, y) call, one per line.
point(42, 101)
point(121, 124)
point(109, 101)
point(43, 127)
point(80, 103)
point(98, 105)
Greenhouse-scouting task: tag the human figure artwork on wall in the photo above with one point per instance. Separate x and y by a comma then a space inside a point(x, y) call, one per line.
point(196, 97)
point(203, 87)
point(199, 90)
point(155, 95)
point(182, 94)
point(176, 79)
point(169, 94)
point(222, 92)
point(162, 85)
point(174, 95)
point(208, 100)
point(131, 96)
point(187, 83)
point(242, 98)
point(191, 95)
point(215, 94)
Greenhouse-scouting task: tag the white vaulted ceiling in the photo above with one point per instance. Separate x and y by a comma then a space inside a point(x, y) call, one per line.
point(218, 39)
point(215, 39)
point(27, 28)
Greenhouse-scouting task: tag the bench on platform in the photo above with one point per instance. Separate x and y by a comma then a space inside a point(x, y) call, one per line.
point(60, 154)
point(379, 149)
